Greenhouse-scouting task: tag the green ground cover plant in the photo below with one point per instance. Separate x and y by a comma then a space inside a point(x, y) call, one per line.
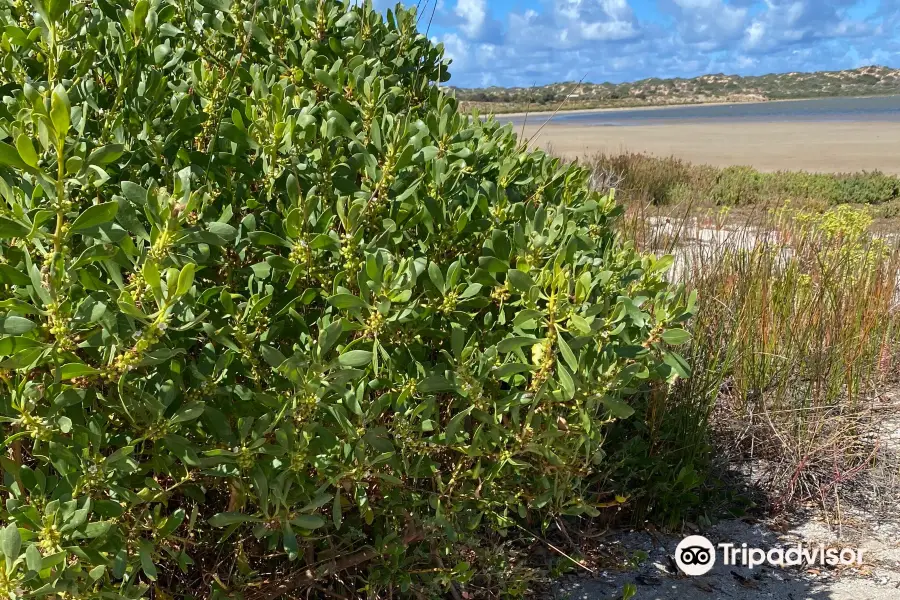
point(274, 314)
point(669, 180)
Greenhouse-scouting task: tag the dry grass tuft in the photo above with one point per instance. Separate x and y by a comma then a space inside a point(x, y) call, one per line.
point(796, 343)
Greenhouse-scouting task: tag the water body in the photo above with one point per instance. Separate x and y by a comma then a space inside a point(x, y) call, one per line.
point(885, 108)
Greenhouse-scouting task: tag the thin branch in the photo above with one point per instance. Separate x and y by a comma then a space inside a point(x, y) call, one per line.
point(557, 550)
point(527, 108)
point(558, 108)
point(309, 578)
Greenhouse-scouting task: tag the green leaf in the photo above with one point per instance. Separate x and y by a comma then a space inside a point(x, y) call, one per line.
point(134, 193)
point(232, 518)
point(292, 186)
point(56, 9)
point(272, 356)
point(437, 278)
point(355, 358)
point(151, 276)
point(617, 407)
point(26, 150)
point(345, 301)
point(10, 542)
point(15, 325)
point(676, 337)
point(581, 324)
point(428, 153)
point(72, 370)
point(11, 345)
point(513, 343)
point(222, 5)
point(141, 9)
point(308, 521)
point(33, 558)
point(528, 318)
point(185, 279)
point(678, 364)
point(223, 230)
point(60, 111)
point(10, 157)
point(492, 264)
point(145, 550)
point(329, 336)
point(161, 52)
point(519, 281)
point(97, 214)
point(455, 424)
point(188, 412)
point(172, 523)
point(97, 572)
point(567, 353)
point(434, 383)
point(105, 155)
point(324, 241)
point(11, 229)
point(566, 382)
point(327, 80)
point(264, 238)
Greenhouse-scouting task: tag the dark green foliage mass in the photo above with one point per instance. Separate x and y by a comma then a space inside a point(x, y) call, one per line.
point(271, 308)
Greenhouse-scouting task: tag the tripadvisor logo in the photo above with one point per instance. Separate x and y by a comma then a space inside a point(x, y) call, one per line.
point(696, 555)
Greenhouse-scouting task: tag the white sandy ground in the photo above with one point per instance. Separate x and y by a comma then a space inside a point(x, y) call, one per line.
point(877, 579)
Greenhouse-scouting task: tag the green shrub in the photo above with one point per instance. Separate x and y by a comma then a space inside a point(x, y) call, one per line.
point(274, 312)
point(869, 188)
point(644, 177)
point(736, 186)
point(670, 180)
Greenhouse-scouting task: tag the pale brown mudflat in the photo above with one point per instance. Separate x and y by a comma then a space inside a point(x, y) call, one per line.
point(768, 146)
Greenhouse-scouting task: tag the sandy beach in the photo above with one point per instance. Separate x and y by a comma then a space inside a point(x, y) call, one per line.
point(768, 146)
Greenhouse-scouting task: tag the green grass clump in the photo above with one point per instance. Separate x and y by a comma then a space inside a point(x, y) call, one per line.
point(669, 180)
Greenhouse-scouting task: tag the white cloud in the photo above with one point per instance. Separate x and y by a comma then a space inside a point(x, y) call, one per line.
point(456, 49)
point(710, 24)
point(792, 22)
point(473, 14)
point(596, 20)
point(561, 40)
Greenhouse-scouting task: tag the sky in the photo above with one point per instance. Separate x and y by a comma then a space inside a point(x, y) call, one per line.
point(536, 42)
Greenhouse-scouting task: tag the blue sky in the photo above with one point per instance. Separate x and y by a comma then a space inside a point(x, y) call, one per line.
point(528, 42)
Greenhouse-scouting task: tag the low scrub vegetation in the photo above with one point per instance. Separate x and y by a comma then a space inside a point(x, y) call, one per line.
point(667, 180)
point(276, 317)
point(796, 337)
point(863, 81)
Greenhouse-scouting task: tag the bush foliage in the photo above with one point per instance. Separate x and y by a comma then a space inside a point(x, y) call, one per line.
point(272, 309)
point(670, 180)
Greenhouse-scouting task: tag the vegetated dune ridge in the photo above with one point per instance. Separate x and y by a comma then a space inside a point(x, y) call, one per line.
point(835, 147)
point(863, 81)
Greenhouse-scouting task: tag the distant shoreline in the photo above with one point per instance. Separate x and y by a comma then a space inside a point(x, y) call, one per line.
point(651, 107)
